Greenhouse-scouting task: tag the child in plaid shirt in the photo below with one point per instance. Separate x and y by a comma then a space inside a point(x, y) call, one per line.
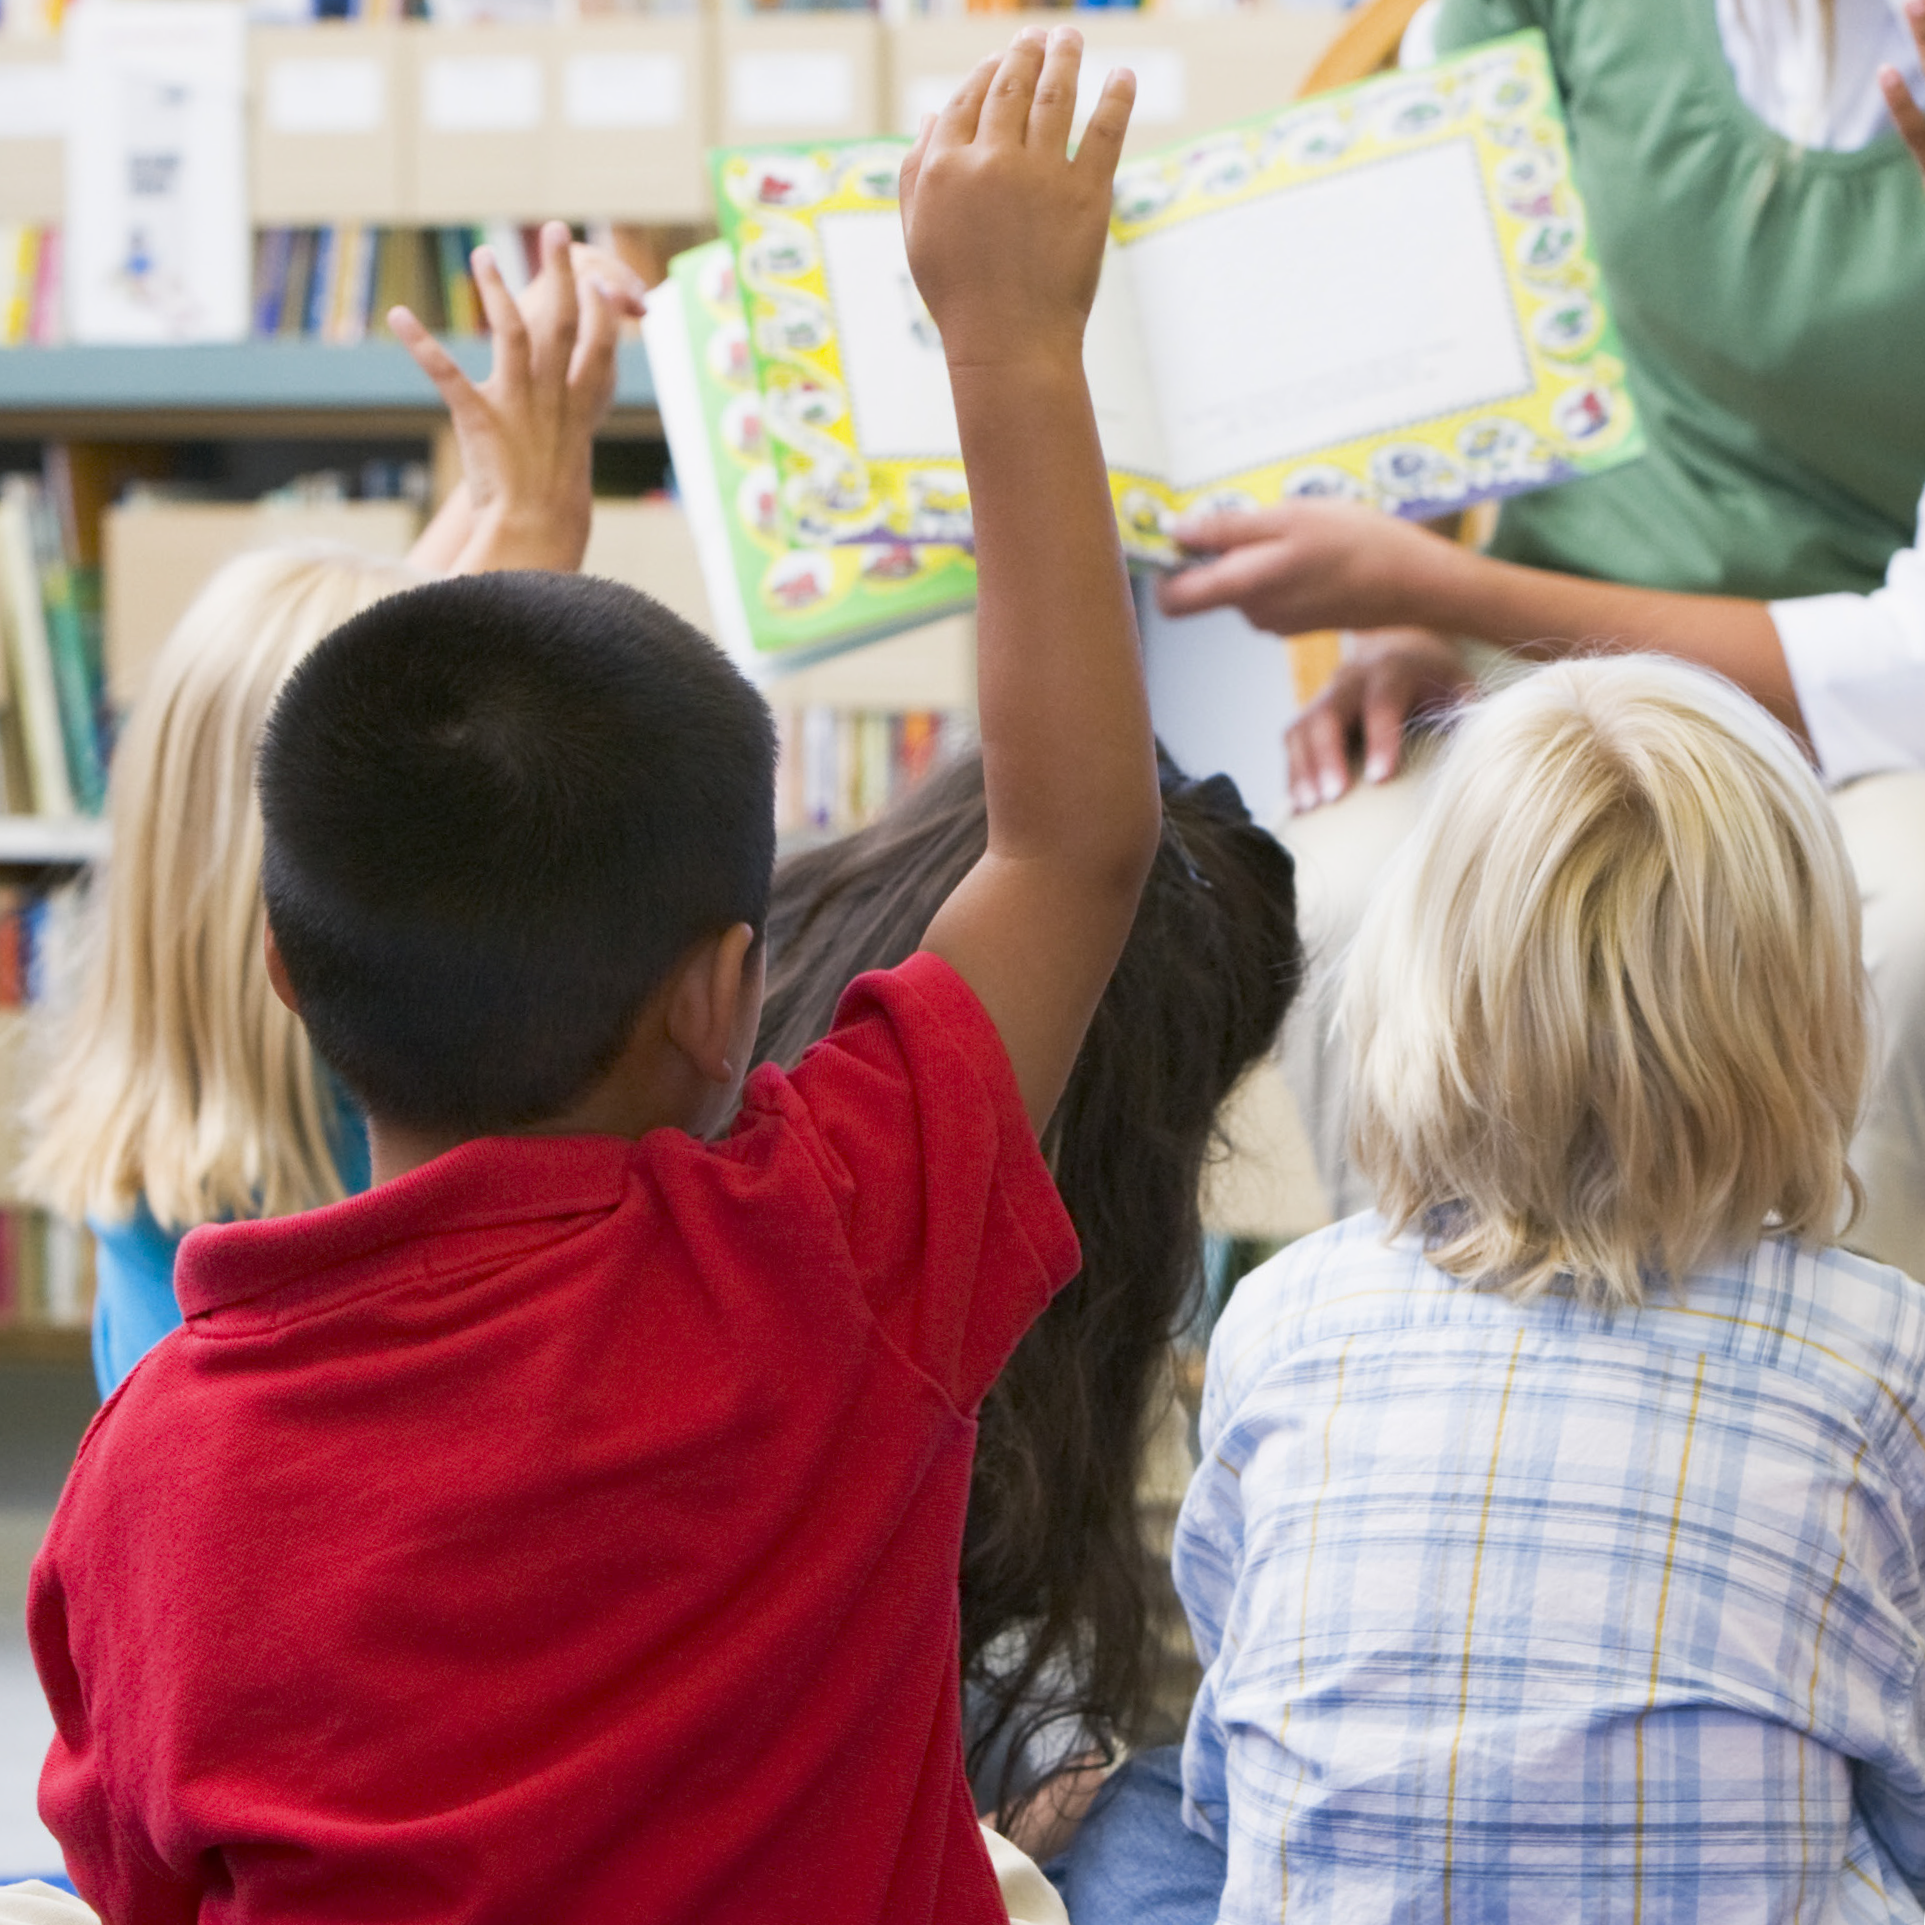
point(1556, 1549)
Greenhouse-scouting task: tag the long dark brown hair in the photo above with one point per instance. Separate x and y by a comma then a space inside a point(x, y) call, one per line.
point(1060, 1598)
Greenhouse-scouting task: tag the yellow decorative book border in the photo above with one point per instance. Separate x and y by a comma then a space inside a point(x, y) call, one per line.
point(1576, 419)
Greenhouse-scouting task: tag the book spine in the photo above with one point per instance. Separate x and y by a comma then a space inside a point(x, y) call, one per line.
point(31, 653)
point(49, 290)
point(67, 646)
point(320, 293)
point(273, 260)
point(16, 316)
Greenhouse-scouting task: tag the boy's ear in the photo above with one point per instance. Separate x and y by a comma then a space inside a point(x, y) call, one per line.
point(277, 970)
point(706, 1003)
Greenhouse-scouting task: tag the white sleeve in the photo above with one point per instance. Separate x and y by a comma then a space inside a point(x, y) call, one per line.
point(1857, 666)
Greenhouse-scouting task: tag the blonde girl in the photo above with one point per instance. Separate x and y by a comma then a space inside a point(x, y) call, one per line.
point(183, 1092)
point(1558, 1543)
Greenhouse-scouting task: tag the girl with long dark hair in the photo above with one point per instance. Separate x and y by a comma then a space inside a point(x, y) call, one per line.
point(1062, 1603)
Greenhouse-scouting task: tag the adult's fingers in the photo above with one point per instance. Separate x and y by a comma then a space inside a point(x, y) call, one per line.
point(1904, 110)
point(505, 325)
point(1319, 749)
point(956, 124)
point(1053, 107)
point(1221, 528)
point(1102, 144)
point(1227, 580)
point(1387, 700)
point(1005, 115)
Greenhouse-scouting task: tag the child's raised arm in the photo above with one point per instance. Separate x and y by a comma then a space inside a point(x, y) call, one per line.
point(1005, 235)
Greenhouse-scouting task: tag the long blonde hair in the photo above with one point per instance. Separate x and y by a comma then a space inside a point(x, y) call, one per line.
point(1607, 1016)
point(179, 1077)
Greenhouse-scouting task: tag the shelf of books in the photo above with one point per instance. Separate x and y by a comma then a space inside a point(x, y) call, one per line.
point(46, 1264)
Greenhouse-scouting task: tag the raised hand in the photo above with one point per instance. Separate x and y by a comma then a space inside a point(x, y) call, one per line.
point(1005, 230)
point(527, 432)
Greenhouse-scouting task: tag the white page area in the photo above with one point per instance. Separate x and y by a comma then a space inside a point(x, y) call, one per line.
point(1369, 301)
point(893, 363)
point(891, 355)
point(1119, 376)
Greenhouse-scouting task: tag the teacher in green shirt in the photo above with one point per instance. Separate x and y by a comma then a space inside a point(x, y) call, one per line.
point(1762, 239)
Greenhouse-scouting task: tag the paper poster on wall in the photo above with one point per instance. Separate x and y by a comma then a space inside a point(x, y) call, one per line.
point(157, 240)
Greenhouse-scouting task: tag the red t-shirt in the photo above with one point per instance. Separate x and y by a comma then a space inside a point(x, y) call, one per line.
point(569, 1529)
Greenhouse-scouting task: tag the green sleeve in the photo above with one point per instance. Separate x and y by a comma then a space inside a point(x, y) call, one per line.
point(1465, 22)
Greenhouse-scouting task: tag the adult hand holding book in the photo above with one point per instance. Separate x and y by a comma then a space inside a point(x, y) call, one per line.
point(1005, 235)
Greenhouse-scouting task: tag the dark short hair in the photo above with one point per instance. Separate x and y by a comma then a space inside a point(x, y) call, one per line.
point(498, 810)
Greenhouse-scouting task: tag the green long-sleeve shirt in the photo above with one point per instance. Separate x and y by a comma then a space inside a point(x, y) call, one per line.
point(1772, 304)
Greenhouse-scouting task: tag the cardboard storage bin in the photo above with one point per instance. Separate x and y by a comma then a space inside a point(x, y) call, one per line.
point(328, 124)
point(631, 119)
point(483, 122)
point(799, 76)
point(157, 556)
point(33, 132)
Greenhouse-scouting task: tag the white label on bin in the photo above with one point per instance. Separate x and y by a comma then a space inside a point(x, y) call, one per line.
point(33, 100)
point(792, 88)
point(625, 90)
point(482, 94)
point(326, 95)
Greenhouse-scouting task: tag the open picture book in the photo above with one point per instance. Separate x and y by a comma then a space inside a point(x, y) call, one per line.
point(1385, 294)
point(774, 599)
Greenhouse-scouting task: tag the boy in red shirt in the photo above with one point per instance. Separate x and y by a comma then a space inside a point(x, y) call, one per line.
point(568, 1528)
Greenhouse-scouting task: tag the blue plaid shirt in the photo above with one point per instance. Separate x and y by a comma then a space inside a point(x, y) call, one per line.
point(1516, 1613)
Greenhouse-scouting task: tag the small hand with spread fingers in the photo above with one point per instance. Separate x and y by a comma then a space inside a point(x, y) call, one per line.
point(1906, 113)
point(527, 432)
point(1005, 229)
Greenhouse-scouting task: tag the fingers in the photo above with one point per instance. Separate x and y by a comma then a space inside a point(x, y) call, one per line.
point(1318, 745)
point(1226, 528)
point(1387, 701)
point(620, 285)
point(554, 299)
point(1053, 108)
point(1904, 110)
point(912, 165)
point(1005, 114)
point(504, 319)
point(956, 124)
point(591, 374)
point(1102, 144)
point(454, 387)
point(1231, 580)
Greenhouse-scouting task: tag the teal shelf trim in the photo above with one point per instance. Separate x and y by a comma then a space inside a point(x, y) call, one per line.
point(251, 375)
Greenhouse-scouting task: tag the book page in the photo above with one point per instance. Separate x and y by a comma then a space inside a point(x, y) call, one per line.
point(1343, 307)
point(898, 381)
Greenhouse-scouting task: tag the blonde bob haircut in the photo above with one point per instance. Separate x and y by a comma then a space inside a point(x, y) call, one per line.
point(179, 1078)
point(1606, 1016)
